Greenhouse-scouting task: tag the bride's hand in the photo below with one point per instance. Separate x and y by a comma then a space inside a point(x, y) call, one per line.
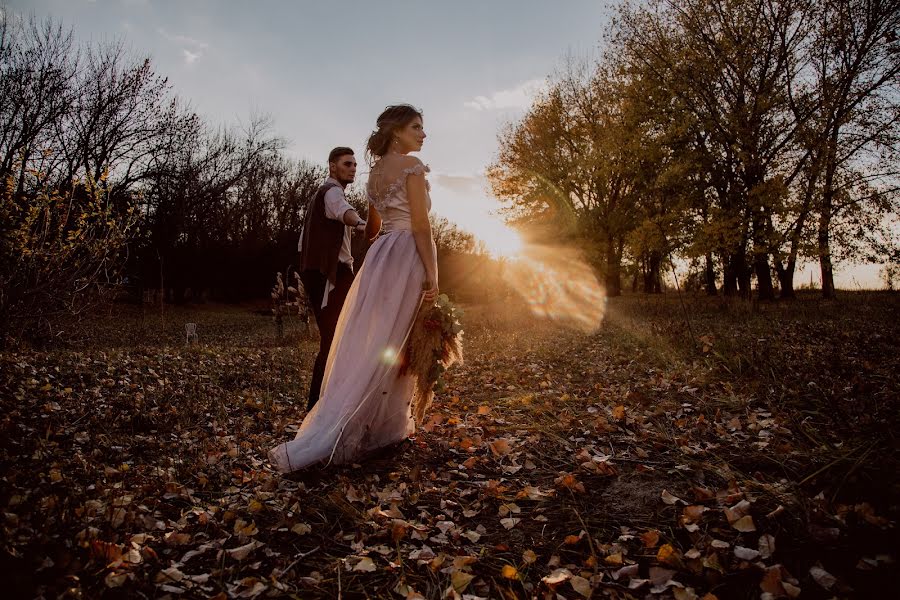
point(430, 292)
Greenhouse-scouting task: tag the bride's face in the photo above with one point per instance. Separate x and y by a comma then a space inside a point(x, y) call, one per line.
point(411, 136)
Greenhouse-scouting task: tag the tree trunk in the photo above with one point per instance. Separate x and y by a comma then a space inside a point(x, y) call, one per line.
point(825, 214)
point(652, 275)
point(763, 276)
point(613, 280)
point(786, 272)
point(745, 276)
point(786, 278)
point(761, 255)
point(710, 275)
point(731, 275)
point(825, 255)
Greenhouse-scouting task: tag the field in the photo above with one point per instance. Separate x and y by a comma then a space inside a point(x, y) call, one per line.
point(692, 448)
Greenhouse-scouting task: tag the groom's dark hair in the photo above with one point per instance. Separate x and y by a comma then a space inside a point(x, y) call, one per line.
point(338, 152)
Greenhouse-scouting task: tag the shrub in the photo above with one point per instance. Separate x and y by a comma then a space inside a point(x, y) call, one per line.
point(59, 250)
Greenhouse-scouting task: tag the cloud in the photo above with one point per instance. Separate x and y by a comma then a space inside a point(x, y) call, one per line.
point(190, 57)
point(463, 184)
point(518, 97)
point(192, 48)
point(183, 39)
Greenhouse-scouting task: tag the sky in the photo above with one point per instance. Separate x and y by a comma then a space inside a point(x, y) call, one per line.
point(323, 71)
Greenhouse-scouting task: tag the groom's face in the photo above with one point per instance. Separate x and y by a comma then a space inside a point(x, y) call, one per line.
point(343, 169)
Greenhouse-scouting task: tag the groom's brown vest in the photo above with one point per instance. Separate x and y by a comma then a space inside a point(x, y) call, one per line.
point(322, 238)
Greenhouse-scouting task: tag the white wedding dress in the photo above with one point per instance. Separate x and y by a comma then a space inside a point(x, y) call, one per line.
point(364, 404)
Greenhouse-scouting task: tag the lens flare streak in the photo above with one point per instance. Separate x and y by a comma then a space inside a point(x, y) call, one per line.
point(557, 284)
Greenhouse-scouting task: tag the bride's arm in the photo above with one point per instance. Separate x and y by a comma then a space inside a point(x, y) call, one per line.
point(373, 223)
point(421, 230)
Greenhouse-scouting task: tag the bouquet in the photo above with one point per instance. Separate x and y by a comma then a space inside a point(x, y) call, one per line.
point(435, 343)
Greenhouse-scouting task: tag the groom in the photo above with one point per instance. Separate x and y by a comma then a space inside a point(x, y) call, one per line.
point(326, 265)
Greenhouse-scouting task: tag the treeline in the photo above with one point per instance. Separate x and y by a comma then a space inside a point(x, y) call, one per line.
point(742, 135)
point(108, 177)
point(111, 181)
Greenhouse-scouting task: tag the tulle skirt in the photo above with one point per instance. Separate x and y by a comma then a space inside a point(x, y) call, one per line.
point(364, 404)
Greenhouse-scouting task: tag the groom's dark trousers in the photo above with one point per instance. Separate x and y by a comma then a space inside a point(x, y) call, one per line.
point(326, 318)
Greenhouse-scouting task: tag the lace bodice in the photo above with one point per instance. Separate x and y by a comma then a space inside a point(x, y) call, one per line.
point(392, 204)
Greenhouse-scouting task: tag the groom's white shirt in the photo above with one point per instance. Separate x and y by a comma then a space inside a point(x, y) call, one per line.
point(335, 206)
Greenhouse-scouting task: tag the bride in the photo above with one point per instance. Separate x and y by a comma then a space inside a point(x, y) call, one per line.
point(365, 404)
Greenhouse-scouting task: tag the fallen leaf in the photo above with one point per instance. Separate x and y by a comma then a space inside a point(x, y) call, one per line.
point(460, 580)
point(581, 585)
point(668, 554)
point(529, 557)
point(628, 572)
point(509, 508)
point(118, 517)
point(737, 511)
point(745, 553)
point(114, 580)
point(365, 564)
point(693, 513)
point(684, 593)
point(569, 481)
point(650, 538)
point(822, 577)
point(509, 572)
point(533, 493)
point(744, 524)
point(766, 546)
point(557, 577)
point(174, 538)
point(399, 529)
point(424, 553)
point(660, 576)
point(500, 447)
point(241, 552)
point(669, 499)
point(790, 589)
point(510, 522)
point(169, 575)
point(242, 527)
point(106, 551)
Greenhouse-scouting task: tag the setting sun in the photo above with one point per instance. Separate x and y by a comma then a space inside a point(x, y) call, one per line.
point(501, 241)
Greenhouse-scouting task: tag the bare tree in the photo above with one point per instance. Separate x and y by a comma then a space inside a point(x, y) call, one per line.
point(38, 68)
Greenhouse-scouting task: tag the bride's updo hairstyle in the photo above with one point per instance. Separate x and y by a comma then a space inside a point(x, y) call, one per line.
point(393, 118)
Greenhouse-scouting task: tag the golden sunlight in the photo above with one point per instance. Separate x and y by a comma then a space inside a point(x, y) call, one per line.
point(503, 241)
point(554, 281)
point(557, 284)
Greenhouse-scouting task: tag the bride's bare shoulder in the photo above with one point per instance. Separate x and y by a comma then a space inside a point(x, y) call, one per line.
point(408, 160)
point(411, 165)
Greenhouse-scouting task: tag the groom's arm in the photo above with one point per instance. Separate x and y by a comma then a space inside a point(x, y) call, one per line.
point(338, 209)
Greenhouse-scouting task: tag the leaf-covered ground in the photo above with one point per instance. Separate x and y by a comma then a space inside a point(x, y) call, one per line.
point(705, 450)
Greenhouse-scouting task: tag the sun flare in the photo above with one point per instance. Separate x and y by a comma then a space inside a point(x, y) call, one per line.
point(555, 282)
point(503, 242)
